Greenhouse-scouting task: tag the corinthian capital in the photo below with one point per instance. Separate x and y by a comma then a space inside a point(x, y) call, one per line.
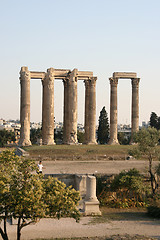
point(49, 78)
point(86, 82)
point(93, 80)
point(113, 81)
point(135, 81)
point(25, 74)
point(73, 76)
point(50, 74)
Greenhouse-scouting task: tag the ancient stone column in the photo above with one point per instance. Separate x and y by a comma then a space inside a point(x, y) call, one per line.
point(65, 111)
point(48, 108)
point(72, 108)
point(113, 111)
point(25, 107)
point(92, 111)
point(91, 188)
point(135, 106)
point(86, 120)
point(91, 203)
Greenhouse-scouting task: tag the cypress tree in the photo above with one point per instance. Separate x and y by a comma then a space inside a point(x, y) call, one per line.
point(103, 128)
point(153, 120)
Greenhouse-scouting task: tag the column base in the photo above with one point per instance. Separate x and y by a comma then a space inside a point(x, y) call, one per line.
point(71, 143)
point(49, 142)
point(91, 143)
point(113, 142)
point(24, 142)
point(91, 208)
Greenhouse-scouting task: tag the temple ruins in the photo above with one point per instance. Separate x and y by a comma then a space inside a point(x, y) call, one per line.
point(69, 79)
point(113, 104)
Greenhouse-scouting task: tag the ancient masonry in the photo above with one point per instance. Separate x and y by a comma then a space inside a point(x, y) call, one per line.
point(113, 104)
point(69, 79)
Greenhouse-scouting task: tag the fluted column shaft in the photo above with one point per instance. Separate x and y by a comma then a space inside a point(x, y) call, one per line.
point(48, 108)
point(92, 111)
point(86, 120)
point(72, 108)
point(65, 111)
point(25, 107)
point(113, 111)
point(135, 105)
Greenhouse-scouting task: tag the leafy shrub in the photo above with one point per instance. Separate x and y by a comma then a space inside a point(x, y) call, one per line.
point(126, 190)
point(154, 206)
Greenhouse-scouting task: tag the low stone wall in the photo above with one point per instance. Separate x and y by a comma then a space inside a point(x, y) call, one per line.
point(21, 152)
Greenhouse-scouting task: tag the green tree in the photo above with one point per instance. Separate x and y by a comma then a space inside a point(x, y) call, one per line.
point(8, 168)
point(6, 136)
point(27, 197)
point(123, 139)
point(35, 134)
point(58, 136)
point(103, 128)
point(158, 123)
point(60, 201)
point(147, 141)
point(153, 120)
point(80, 137)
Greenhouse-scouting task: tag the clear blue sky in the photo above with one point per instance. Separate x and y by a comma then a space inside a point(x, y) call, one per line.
point(103, 36)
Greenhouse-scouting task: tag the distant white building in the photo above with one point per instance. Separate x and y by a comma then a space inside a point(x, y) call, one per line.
point(124, 128)
point(80, 127)
point(34, 125)
point(145, 124)
point(1, 121)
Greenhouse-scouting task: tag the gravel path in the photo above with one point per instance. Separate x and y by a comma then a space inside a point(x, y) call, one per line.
point(90, 167)
point(68, 228)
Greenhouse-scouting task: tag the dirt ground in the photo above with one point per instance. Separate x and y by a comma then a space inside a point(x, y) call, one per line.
point(120, 223)
point(125, 226)
point(92, 167)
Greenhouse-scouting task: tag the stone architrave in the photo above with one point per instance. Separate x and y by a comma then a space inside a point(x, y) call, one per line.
point(48, 108)
point(113, 111)
point(92, 111)
point(70, 79)
point(25, 107)
point(135, 105)
point(86, 120)
point(72, 108)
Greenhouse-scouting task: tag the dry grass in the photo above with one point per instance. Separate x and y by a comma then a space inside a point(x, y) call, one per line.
point(114, 237)
point(79, 152)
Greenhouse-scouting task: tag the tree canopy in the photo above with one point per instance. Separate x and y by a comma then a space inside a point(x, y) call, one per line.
point(147, 141)
point(154, 121)
point(27, 196)
point(6, 136)
point(103, 128)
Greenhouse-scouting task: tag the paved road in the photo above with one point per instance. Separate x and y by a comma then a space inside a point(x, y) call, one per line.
point(90, 167)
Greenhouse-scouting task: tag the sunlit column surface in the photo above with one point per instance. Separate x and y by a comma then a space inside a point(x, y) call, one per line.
point(113, 111)
point(135, 106)
point(72, 108)
point(92, 111)
point(86, 120)
point(48, 108)
point(25, 107)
